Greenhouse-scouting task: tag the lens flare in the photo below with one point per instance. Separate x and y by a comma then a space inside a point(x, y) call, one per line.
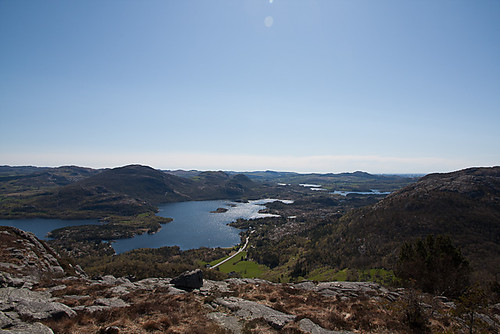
point(268, 21)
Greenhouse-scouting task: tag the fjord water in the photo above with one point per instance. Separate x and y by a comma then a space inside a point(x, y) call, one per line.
point(195, 226)
point(42, 226)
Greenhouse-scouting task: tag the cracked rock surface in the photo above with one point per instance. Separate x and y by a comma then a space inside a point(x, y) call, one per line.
point(250, 310)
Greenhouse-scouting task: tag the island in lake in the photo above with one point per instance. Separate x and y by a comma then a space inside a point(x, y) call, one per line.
point(219, 210)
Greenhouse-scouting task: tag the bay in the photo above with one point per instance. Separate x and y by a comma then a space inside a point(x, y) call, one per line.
point(42, 226)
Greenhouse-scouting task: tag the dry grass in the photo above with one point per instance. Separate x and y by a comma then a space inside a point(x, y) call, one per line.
point(149, 313)
point(362, 314)
point(158, 312)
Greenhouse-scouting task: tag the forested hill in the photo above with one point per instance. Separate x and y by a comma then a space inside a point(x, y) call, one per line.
point(464, 205)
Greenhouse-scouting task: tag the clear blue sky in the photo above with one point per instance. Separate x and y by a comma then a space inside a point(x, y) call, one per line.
point(296, 85)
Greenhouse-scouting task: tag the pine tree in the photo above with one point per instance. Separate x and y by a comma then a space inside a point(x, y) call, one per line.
point(435, 265)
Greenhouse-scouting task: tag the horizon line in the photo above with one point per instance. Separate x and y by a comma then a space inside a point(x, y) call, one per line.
point(239, 171)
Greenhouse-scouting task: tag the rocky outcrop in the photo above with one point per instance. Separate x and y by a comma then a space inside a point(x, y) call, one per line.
point(345, 290)
point(189, 280)
point(25, 260)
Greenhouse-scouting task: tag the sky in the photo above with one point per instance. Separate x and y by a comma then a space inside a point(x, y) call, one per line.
point(389, 86)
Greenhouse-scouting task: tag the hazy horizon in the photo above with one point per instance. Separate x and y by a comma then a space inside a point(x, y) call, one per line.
point(307, 86)
point(231, 170)
point(320, 164)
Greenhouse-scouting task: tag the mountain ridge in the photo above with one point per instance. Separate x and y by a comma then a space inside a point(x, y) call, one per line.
point(463, 204)
point(127, 190)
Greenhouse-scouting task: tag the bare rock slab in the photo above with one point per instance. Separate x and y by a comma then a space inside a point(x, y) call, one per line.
point(252, 310)
point(25, 328)
point(32, 304)
point(228, 322)
point(306, 325)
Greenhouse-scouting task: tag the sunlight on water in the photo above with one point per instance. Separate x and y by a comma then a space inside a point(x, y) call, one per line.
point(372, 192)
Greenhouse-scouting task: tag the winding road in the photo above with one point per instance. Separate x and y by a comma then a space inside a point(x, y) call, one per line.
point(229, 258)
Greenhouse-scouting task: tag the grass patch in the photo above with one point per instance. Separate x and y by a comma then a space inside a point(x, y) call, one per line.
point(251, 269)
point(378, 275)
point(327, 274)
point(214, 262)
point(238, 264)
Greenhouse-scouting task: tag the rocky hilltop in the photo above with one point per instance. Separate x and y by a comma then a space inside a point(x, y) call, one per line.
point(41, 294)
point(25, 260)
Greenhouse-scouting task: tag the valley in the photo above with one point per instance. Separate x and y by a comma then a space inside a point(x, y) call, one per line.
point(345, 232)
point(250, 167)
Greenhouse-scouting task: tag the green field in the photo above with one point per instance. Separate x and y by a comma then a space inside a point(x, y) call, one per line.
point(251, 269)
point(381, 276)
point(238, 264)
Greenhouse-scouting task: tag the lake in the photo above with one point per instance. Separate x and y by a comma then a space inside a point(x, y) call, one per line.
point(372, 192)
point(42, 226)
point(195, 226)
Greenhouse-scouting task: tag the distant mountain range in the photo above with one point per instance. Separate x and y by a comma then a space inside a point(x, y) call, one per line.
point(356, 181)
point(77, 192)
